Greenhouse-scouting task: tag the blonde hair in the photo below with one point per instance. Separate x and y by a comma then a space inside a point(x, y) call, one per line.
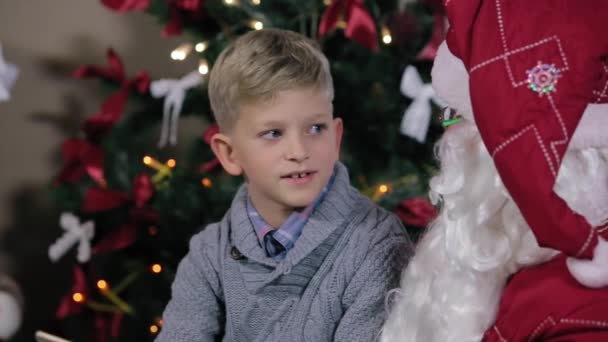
point(259, 64)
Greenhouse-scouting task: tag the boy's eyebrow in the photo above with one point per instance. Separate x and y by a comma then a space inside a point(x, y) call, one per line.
point(318, 116)
point(269, 123)
point(279, 123)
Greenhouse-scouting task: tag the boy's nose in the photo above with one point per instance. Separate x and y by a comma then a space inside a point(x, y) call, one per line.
point(296, 151)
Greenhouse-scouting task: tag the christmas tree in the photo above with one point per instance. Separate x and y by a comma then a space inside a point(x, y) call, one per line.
point(132, 197)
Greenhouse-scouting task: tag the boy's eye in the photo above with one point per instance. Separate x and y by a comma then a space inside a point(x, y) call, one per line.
point(317, 128)
point(271, 134)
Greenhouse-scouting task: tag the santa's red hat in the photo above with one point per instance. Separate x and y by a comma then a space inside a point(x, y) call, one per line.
point(537, 72)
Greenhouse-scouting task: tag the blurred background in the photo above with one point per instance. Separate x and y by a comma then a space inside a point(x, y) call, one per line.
point(46, 40)
point(55, 156)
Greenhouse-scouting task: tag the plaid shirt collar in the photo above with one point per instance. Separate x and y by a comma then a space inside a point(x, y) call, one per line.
point(277, 242)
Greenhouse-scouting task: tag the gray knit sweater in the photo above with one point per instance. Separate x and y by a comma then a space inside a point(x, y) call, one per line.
point(330, 287)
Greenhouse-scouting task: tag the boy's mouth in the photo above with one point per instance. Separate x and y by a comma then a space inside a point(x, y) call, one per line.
point(298, 174)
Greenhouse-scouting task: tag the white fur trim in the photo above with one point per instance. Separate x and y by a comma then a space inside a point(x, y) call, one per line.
point(451, 81)
point(591, 273)
point(592, 129)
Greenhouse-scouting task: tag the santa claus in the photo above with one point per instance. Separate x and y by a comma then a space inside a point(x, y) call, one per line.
point(519, 250)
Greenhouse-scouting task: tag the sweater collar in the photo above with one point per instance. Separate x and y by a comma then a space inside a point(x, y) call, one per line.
point(327, 216)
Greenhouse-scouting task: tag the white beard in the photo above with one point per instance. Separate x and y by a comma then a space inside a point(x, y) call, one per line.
point(582, 182)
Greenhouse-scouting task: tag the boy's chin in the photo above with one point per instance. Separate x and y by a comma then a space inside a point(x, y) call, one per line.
point(300, 202)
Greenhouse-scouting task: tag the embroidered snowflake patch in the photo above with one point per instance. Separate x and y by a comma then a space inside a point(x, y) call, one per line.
point(542, 79)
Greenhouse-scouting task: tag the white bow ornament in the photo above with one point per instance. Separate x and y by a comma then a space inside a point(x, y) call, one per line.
point(75, 233)
point(8, 75)
point(174, 92)
point(417, 116)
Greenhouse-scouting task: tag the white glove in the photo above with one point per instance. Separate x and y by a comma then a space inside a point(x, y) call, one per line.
point(591, 273)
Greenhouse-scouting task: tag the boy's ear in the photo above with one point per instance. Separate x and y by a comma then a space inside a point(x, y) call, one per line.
point(223, 149)
point(339, 129)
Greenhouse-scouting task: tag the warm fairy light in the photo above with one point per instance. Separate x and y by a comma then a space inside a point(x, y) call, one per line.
point(258, 25)
point(156, 165)
point(200, 47)
point(102, 284)
point(326, 2)
point(383, 188)
point(206, 182)
point(154, 328)
point(386, 36)
point(181, 52)
point(177, 55)
point(230, 2)
point(256, 2)
point(171, 163)
point(78, 297)
point(203, 67)
point(157, 268)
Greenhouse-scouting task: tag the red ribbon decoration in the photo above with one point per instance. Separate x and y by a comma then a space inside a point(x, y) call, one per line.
point(209, 133)
point(97, 200)
point(81, 157)
point(123, 6)
point(176, 13)
point(187, 5)
point(360, 26)
point(107, 326)
point(416, 211)
point(439, 30)
point(112, 109)
point(67, 305)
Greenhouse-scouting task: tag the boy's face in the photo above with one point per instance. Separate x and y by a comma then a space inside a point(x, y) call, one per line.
point(286, 147)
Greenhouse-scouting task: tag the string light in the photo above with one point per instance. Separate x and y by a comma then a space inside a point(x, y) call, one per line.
point(206, 182)
point(156, 268)
point(102, 284)
point(78, 297)
point(164, 170)
point(203, 67)
point(256, 2)
point(230, 2)
point(383, 188)
point(181, 52)
point(386, 36)
point(154, 328)
point(155, 164)
point(326, 2)
point(257, 25)
point(200, 47)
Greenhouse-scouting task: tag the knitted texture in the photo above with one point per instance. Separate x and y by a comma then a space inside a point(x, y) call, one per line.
point(330, 287)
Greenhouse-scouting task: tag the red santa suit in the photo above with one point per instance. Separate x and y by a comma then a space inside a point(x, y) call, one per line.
point(545, 303)
point(534, 70)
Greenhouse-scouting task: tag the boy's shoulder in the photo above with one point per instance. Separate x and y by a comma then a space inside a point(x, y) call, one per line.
point(375, 219)
point(375, 237)
point(373, 226)
point(211, 235)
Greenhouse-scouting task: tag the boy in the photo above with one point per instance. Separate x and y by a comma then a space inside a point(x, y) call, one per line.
point(300, 255)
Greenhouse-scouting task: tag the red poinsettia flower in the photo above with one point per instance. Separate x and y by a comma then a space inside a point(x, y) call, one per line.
point(416, 211)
